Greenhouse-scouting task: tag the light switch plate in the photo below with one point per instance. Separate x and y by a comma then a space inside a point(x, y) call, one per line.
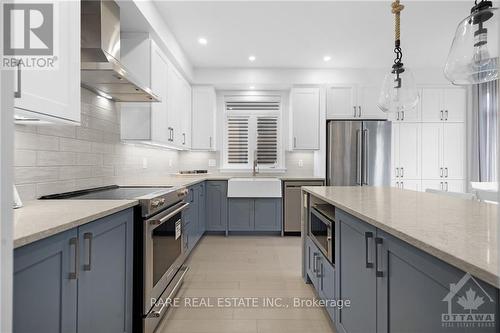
point(212, 162)
point(301, 163)
point(144, 162)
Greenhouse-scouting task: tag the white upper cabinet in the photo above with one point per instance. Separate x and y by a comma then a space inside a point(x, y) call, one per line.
point(367, 103)
point(353, 102)
point(446, 104)
point(454, 104)
point(159, 110)
point(167, 122)
point(341, 102)
point(53, 95)
point(305, 115)
point(203, 118)
point(186, 119)
point(412, 116)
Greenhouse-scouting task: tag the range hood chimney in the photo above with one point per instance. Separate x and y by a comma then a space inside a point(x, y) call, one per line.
point(101, 70)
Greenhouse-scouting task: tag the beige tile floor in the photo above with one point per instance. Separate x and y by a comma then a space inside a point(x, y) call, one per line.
point(245, 267)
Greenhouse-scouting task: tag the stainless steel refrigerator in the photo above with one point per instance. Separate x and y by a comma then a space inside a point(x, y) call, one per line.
point(358, 153)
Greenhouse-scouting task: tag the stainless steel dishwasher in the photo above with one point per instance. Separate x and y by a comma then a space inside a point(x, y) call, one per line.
point(291, 206)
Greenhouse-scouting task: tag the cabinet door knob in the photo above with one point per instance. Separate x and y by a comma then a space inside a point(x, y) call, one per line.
point(442, 116)
point(446, 115)
point(359, 110)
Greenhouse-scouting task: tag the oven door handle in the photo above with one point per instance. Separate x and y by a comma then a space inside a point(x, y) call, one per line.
point(159, 221)
point(157, 313)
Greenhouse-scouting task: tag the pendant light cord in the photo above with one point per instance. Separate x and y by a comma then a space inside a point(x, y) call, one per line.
point(397, 68)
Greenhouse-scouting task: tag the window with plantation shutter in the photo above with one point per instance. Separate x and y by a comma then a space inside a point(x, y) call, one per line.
point(252, 132)
point(267, 140)
point(237, 140)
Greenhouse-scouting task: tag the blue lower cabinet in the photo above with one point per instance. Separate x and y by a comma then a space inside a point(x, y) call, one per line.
point(194, 216)
point(248, 214)
point(356, 280)
point(45, 285)
point(105, 280)
point(267, 214)
point(77, 281)
point(407, 273)
point(216, 209)
point(241, 214)
point(395, 287)
point(321, 274)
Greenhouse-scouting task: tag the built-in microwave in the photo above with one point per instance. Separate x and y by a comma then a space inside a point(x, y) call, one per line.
point(322, 231)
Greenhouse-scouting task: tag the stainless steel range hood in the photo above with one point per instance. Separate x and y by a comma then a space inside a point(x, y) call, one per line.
point(101, 70)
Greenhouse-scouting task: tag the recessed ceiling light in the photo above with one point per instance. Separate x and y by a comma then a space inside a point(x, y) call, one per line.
point(252, 58)
point(327, 58)
point(202, 41)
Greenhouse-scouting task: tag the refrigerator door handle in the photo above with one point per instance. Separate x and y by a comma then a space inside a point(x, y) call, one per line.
point(358, 157)
point(365, 157)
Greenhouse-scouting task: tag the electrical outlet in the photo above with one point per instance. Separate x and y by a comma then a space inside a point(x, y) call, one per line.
point(301, 163)
point(170, 162)
point(144, 162)
point(212, 162)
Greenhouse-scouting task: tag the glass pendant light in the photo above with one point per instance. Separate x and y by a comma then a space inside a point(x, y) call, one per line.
point(399, 91)
point(473, 56)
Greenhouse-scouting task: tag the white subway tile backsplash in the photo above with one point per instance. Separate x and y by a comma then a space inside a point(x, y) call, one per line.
point(88, 183)
point(25, 140)
point(75, 172)
point(89, 159)
point(101, 147)
point(25, 175)
point(103, 171)
point(55, 187)
point(84, 133)
point(24, 157)
point(60, 158)
point(74, 145)
point(52, 158)
point(67, 131)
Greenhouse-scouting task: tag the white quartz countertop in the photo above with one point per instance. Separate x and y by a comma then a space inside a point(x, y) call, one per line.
point(463, 233)
point(40, 219)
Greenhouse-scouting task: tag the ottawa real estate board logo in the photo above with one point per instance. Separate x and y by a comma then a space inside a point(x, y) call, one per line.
point(28, 35)
point(469, 306)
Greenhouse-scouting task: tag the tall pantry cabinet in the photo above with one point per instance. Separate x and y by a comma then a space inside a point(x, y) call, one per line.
point(429, 142)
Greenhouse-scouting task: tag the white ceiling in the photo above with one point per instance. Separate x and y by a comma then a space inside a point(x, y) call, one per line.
point(297, 34)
